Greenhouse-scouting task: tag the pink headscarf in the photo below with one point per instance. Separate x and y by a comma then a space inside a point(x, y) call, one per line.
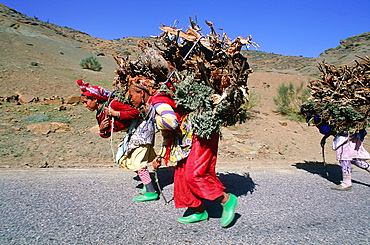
point(94, 91)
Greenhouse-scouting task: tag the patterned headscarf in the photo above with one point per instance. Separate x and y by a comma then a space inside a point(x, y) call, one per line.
point(147, 85)
point(97, 92)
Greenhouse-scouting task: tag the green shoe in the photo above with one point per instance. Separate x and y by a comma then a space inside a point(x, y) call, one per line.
point(143, 191)
point(228, 212)
point(195, 217)
point(148, 196)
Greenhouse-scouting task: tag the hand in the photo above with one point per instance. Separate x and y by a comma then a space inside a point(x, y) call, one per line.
point(110, 112)
point(104, 125)
point(147, 108)
point(157, 162)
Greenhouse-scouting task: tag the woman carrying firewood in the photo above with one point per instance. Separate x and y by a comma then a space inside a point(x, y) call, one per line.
point(349, 148)
point(195, 175)
point(124, 118)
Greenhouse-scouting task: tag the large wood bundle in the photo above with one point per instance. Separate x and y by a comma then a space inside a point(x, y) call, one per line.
point(213, 58)
point(195, 68)
point(342, 96)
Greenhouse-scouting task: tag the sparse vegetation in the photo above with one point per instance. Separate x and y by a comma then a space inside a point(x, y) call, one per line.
point(91, 63)
point(252, 102)
point(37, 118)
point(290, 99)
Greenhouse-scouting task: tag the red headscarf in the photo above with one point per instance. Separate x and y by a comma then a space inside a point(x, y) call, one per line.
point(94, 91)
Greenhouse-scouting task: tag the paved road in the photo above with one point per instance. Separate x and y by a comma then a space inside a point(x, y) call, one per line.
point(281, 205)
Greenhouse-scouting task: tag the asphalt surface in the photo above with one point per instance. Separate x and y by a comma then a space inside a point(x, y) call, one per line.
point(277, 205)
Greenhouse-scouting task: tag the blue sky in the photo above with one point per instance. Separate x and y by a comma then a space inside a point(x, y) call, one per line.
point(288, 27)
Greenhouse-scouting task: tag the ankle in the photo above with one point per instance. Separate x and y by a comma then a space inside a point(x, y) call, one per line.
point(199, 209)
point(224, 198)
point(347, 180)
point(150, 187)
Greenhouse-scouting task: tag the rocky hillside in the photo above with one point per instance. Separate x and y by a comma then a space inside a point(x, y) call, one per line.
point(348, 50)
point(43, 59)
point(268, 62)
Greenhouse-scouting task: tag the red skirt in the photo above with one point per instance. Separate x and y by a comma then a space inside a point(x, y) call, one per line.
point(195, 177)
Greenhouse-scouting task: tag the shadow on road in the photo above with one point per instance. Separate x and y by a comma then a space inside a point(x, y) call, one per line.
point(165, 178)
point(237, 184)
point(331, 172)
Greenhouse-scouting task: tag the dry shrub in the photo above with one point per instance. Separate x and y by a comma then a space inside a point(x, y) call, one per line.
point(290, 99)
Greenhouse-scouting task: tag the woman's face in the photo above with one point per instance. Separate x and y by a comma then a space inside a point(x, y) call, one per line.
point(136, 98)
point(91, 104)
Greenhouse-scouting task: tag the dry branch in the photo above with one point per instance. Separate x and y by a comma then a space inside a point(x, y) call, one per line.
point(342, 95)
point(216, 61)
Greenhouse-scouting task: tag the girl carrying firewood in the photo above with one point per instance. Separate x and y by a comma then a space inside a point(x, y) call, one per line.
point(349, 148)
point(341, 99)
point(124, 118)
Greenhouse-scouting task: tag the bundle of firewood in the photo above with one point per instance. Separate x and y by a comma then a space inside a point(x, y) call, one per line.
point(342, 95)
point(211, 60)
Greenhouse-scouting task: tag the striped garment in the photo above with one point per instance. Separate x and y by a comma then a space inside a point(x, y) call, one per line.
point(144, 175)
point(165, 118)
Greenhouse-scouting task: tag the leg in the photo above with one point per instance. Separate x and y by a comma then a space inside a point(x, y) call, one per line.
point(150, 194)
point(195, 179)
point(229, 203)
point(346, 184)
point(361, 163)
point(198, 175)
point(200, 169)
point(184, 197)
point(199, 216)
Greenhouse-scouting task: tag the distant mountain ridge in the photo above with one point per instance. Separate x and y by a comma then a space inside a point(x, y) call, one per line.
point(348, 50)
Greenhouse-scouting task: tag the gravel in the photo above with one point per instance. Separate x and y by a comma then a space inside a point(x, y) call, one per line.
point(277, 205)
